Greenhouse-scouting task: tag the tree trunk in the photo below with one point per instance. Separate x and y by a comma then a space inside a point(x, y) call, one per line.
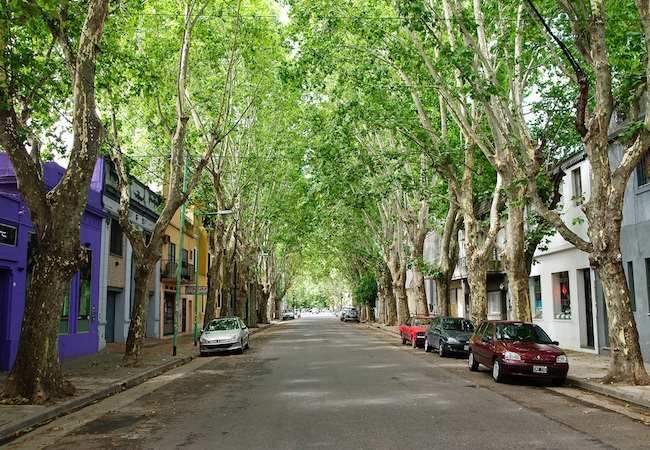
point(138, 326)
point(401, 299)
point(419, 292)
point(514, 257)
point(36, 374)
point(214, 288)
point(271, 303)
point(263, 301)
point(477, 278)
point(626, 359)
point(443, 294)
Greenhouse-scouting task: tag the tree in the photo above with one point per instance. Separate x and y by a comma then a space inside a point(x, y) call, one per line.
point(28, 106)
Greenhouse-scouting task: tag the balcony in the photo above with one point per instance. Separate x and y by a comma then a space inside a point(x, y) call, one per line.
point(168, 270)
point(494, 266)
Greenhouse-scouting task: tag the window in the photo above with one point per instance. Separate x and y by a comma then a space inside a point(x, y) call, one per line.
point(630, 284)
point(576, 182)
point(184, 258)
point(535, 284)
point(494, 302)
point(64, 320)
point(643, 171)
point(83, 310)
point(561, 295)
point(116, 238)
point(489, 331)
point(171, 251)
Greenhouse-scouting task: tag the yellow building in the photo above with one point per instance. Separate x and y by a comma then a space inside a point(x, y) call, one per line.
point(193, 262)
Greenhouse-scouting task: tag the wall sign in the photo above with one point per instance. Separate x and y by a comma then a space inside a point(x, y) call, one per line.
point(190, 289)
point(7, 235)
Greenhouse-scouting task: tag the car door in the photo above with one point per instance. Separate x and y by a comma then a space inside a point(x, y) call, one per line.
point(487, 347)
point(477, 342)
point(403, 328)
point(431, 334)
point(436, 332)
point(244, 330)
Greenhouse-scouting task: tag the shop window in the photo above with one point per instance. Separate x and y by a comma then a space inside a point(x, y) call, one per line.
point(83, 310)
point(647, 280)
point(630, 284)
point(576, 182)
point(116, 246)
point(643, 171)
point(535, 285)
point(561, 295)
point(64, 320)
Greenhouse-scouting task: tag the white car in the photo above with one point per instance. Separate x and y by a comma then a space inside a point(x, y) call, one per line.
point(224, 335)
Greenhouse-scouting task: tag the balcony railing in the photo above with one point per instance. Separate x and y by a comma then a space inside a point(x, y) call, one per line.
point(494, 265)
point(168, 270)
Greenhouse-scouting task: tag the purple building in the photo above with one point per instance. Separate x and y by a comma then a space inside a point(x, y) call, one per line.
point(78, 318)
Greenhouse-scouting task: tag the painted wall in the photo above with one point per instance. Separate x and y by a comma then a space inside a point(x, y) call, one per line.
point(13, 263)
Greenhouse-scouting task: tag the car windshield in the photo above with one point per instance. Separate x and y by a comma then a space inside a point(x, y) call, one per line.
point(457, 325)
point(223, 324)
point(524, 332)
point(417, 322)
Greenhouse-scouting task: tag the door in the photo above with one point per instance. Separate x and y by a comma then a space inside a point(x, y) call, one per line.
point(110, 317)
point(183, 316)
point(486, 345)
point(589, 316)
point(5, 297)
point(168, 313)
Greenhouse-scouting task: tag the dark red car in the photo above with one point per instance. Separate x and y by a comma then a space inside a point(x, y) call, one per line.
point(414, 330)
point(519, 349)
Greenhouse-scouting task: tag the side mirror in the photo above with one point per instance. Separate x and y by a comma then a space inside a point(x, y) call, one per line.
point(555, 343)
point(201, 332)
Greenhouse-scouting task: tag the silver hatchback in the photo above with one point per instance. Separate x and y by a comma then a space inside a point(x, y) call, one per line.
point(224, 335)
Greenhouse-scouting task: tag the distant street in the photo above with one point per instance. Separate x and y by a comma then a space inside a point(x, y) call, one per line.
point(318, 383)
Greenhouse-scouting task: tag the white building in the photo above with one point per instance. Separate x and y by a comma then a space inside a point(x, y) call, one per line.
point(562, 284)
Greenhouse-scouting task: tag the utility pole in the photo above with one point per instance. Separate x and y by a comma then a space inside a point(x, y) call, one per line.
point(179, 267)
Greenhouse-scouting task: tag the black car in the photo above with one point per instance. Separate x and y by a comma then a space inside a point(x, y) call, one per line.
point(448, 335)
point(352, 315)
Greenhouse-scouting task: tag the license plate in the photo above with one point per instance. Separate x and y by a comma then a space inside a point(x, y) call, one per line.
point(540, 369)
point(466, 347)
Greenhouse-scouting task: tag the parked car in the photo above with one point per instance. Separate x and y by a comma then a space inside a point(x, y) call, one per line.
point(288, 315)
point(414, 330)
point(517, 349)
point(448, 335)
point(343, 312)
point(351, 315)
point(225, 334)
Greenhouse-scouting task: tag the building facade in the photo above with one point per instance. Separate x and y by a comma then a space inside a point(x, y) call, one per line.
point(78, 322)
point(118, 288)
point(192, 259)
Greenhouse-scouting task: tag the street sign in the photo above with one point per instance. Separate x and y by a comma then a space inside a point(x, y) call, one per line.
point(190, 289)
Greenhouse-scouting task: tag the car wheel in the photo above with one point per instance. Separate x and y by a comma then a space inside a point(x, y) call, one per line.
point(472, 363)
point(496, 372)
point(559, 381)
point(427, 347)
point(248, 343)
point(241, 347)
point(441, 349)
point(403, 340)
point(414, 342)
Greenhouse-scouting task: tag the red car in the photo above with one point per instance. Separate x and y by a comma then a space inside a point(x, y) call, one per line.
point(414, 330)
point(519, 349)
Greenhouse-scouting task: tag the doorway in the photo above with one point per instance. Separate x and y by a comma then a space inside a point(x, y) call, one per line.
point(589, 316)
point(109, 333)
point(5, 298)
point(168, 313)
point(184, 316)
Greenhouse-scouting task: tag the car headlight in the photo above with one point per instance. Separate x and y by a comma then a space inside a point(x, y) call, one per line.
point(451, 340)
point(562, 359)
point(512, 356)
point(204, 340)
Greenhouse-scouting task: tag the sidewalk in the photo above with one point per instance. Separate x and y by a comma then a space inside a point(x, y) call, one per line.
point(585, 371)
point(99, 376)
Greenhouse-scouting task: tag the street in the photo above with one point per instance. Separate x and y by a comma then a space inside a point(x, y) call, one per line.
point(318, 383)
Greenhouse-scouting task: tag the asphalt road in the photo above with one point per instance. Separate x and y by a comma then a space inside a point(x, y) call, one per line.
point(318, 383)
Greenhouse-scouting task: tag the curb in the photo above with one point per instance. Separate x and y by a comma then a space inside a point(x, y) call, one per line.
point(571, 381)
point(608, 392)
point(10, 432)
